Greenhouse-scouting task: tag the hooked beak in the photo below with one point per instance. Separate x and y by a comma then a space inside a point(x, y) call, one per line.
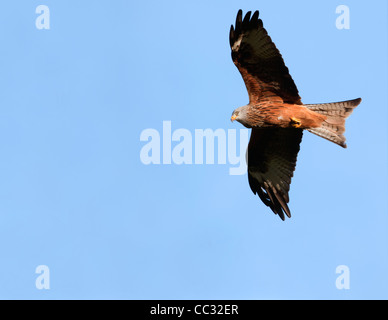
point(233, 118)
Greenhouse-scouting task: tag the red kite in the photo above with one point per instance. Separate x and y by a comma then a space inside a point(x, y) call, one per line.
point(276, 113)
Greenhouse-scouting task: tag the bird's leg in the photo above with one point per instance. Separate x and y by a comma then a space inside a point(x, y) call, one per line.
point(295, 122)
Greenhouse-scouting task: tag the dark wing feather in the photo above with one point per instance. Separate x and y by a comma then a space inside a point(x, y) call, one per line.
point(260, 62)
point(272, 154)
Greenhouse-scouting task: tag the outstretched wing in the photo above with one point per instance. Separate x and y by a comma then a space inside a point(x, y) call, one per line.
point(272, 154)
point(260, 62)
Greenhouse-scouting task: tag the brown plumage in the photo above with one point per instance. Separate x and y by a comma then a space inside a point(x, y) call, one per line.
point(276, 114)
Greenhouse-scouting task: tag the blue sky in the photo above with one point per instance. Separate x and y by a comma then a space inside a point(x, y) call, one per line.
point(75, 196)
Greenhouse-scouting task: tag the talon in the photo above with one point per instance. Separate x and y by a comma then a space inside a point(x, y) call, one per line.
point(295, 122)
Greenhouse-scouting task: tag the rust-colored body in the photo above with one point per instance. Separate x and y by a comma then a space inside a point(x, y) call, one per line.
point(284, 115)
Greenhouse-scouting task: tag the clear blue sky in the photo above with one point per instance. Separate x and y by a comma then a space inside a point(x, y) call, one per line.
point(74, 195)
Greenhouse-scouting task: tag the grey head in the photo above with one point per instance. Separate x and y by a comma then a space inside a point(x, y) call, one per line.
point(241, 115)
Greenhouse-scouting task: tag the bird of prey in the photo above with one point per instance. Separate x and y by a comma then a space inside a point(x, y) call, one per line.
point(276, 114)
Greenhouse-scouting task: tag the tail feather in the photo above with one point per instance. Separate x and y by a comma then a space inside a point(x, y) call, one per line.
point(333, 126)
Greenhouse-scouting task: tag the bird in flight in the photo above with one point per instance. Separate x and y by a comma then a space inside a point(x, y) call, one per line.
point(276, 113)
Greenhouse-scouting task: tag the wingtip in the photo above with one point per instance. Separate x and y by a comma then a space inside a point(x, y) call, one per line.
point(231, 35)
point(239, 16)
point(238, 21)
point(247, 18)
point(248, 22)
point(255, 15)
point(282, 216)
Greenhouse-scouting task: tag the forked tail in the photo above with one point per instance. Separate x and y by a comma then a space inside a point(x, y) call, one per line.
point(333, 127)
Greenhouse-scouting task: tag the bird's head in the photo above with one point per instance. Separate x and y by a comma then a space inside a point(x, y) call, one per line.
point(240, 114)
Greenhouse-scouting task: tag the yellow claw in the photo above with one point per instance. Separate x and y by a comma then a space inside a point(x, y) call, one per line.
point(295, 123)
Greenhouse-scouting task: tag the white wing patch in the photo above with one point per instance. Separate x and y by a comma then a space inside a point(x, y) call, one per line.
point(237, 44)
